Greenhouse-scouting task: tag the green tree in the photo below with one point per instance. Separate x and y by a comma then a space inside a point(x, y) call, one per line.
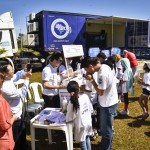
point(2, 51)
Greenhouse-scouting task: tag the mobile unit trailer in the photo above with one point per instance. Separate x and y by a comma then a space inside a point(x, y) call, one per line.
point(54, 29)
point(128, 33)
point(51, 30)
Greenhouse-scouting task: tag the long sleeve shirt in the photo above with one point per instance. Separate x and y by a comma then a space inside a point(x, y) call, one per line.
point(6, 136)
point(14, 95)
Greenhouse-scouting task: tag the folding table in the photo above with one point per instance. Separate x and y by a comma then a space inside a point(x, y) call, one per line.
point(67, 128)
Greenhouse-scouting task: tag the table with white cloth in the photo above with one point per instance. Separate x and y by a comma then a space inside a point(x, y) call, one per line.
point(67, 128)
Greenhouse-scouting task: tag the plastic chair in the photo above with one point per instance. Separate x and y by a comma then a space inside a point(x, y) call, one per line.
point(35, 87)
point(17, 83)
point(29, 106)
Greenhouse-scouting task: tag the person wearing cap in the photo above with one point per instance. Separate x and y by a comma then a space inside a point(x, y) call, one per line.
point(143, 99)
point(133, 61)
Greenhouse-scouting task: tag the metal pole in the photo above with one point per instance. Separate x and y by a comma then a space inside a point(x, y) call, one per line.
point(27, 31)
point(112, 32)
point(21, 39)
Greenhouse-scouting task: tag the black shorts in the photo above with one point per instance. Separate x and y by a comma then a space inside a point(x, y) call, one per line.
point(146, 92)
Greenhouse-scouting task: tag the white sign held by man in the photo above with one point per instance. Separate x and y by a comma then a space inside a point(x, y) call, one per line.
point(72, 50)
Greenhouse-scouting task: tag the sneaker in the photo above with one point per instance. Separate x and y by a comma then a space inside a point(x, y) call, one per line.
point(123, 112)
point(145, 116)
point(140, 116)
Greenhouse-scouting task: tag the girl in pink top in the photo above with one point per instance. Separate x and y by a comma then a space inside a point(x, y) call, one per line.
point(6, 121)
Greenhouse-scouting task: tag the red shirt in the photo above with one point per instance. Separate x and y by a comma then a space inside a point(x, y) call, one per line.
point(6, 135)
point(132, 59)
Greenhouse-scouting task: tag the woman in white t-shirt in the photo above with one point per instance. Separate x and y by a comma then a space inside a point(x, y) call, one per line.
point(145, 82)
point(79, 111)
point(63, 70)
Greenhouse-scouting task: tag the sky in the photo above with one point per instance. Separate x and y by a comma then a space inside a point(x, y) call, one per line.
point(125, 8)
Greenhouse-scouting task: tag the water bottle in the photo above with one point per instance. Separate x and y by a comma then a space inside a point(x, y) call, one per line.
point(78, 68)
point(64, 103)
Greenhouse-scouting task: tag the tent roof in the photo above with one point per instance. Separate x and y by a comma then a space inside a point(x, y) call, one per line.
point(115, 20)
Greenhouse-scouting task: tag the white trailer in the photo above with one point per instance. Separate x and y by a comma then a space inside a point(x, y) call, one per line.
point(8, 40)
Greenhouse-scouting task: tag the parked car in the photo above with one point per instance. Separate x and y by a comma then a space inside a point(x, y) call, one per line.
point(29, 57)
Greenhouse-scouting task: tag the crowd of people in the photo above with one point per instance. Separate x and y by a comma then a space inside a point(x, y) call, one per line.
point(92, 107)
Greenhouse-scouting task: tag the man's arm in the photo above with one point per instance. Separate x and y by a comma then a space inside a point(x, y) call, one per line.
point(13, 93)
point(46, 85)
point(18, 75)
point(99, 91)
point(91, 79)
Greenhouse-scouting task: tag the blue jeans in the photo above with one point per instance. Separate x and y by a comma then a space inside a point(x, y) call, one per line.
point(107, 115)
point(86, 145)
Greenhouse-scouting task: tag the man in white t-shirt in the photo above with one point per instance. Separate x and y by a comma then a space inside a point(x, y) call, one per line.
point(50, 84)
point(108, 98)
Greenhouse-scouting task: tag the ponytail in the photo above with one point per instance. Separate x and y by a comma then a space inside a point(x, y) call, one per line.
point(73, 89)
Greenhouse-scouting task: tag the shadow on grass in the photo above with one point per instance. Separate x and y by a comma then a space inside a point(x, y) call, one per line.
point(119, 116)
point(133, 99)
point(41, 140)
point(58, 141)
point(138, 123)
point(147, 134)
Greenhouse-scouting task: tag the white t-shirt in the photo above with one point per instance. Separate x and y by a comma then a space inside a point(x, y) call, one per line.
point(50, 74)
point(124, 85)
point(63, 70)
point(146, 79)
point(107, 82)
point(92, 95)
point(81, 120)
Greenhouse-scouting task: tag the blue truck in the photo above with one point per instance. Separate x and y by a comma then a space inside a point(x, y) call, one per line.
point(54, 29)
point(49, 30)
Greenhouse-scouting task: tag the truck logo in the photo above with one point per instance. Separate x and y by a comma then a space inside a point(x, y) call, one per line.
point(60, 28)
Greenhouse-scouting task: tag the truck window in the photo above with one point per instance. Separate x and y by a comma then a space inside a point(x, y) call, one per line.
point(12, 39)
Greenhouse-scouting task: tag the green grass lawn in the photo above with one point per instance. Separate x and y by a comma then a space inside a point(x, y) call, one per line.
point(130, 133)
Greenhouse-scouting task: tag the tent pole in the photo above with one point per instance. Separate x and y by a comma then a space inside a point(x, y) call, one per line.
point(112, 31)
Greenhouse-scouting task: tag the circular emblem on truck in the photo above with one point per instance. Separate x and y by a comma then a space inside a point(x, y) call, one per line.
point(60, 28)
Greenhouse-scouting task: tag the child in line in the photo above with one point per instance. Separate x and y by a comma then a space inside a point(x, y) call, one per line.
point(127, 84)
point(79, 111)
point(93, 96)
point(119, 75)
point(143, 99)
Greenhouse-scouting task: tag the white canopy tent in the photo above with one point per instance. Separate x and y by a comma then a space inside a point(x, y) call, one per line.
point(115, 20)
